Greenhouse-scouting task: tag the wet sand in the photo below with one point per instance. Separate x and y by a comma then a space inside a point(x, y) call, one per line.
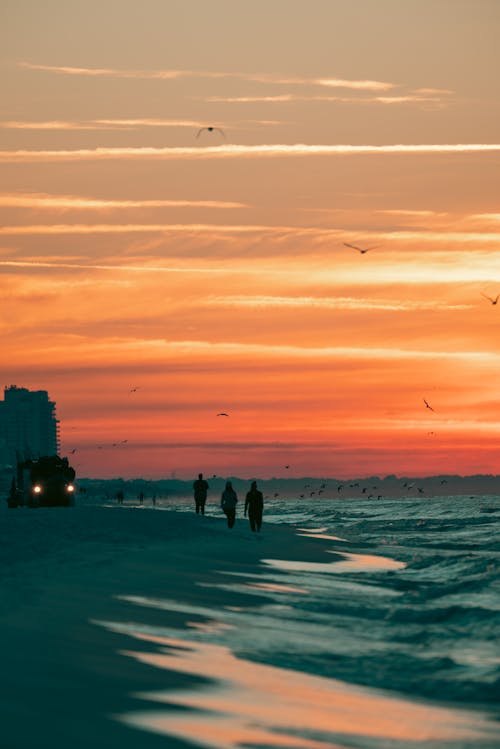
point(81, 594)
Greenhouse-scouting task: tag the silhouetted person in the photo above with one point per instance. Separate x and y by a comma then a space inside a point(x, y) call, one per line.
point(154, 499)
point(200, 488)
point(254, 503)
point(141, 497)
point(228, 503)
point(120, 497)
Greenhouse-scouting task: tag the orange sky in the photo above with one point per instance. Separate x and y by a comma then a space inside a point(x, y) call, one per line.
point(211, 273)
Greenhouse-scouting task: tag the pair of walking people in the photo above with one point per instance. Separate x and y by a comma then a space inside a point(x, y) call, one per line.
point(254, 505)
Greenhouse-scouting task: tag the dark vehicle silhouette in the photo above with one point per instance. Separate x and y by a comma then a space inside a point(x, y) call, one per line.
point(45, 482)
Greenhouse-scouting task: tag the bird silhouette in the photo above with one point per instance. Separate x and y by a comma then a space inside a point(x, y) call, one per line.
point(491, 299)
point(362, 250)
point(222, 414)
point(211, 129)
point(133, 390)
point(427, 405)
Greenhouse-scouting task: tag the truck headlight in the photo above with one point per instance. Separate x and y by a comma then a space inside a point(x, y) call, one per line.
point(37, 489)
point(70, 488)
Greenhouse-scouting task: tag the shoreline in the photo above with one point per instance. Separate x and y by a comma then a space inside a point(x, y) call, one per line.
point(78, 586)
point(62, 568)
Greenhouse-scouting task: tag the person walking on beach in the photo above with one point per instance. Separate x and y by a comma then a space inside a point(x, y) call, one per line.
point(228, 503)
point(254, 504)
point(200, 488)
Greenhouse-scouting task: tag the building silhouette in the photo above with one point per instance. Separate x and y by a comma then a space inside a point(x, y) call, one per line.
point(28, 425)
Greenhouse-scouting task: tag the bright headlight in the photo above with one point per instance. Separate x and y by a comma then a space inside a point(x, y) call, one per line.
point(37, 489)
point(70, 488)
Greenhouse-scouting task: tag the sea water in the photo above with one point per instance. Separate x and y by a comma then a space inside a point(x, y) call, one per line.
point(394, 643)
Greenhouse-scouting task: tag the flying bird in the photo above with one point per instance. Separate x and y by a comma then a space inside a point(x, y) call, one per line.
point(133, 390)
point(427, 405)
point(490, 299)
point(222, 414)
point(211, 129)
point(362, 250)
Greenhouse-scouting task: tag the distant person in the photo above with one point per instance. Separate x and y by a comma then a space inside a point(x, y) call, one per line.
point(141, 497)
point(120, 497)
point(200, 488)
point(154, 499)
point(228, 502)
point(254, 504)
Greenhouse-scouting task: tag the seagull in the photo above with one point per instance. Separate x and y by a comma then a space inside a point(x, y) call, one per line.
point(427, 405)
point(211, 129)
point(362, 250)
point(133, 390)
point(222, 414)
point(73, 451)
point(490, 299)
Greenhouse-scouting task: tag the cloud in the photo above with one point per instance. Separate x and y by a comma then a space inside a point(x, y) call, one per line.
point(234, 151)
point(43, 200)
point(270, 78)
point(433, 91)
point(221, 229)
point(214, 349)
point(347, 303)
point(125, 124)
point(108, 124)
point(284, 98)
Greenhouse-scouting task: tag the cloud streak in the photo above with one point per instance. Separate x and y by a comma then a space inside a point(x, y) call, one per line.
point(336, 303)
point(102, 124)
point(285, 98)
point(234, 151)
point(269, 78)
point(42, 200)
point(218, 229)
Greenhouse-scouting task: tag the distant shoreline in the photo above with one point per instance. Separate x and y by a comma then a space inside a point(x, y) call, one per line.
point(372, 487)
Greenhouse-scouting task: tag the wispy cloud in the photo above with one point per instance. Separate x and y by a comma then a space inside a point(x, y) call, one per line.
point(339, 234)
point(486, 216)
point(346, 303)
point(42, 200)
point(213, 349)
point(433, 91)
point(234, 151)
point(104, 124)
point(129, 124)
point(270, 78)
point(285, 98)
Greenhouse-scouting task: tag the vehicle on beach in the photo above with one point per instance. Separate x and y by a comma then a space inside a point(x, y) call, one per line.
point(44, 482)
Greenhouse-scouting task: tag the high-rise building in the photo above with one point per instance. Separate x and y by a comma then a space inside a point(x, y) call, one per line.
point(28, 424)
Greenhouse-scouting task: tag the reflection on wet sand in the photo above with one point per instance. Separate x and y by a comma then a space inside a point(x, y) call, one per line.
point(346, 562)
point(253, 703)
point(318, 533)
point(276, 588)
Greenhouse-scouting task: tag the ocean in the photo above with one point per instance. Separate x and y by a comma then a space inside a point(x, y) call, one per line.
point(394, 643)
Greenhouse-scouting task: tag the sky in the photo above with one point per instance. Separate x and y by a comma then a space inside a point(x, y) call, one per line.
point(155, 273)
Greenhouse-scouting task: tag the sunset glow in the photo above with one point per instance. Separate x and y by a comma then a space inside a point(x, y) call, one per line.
point(220, 272)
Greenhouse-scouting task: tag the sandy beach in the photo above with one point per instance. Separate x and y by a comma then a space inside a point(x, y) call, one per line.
point(107, 620)
point(63, 569)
